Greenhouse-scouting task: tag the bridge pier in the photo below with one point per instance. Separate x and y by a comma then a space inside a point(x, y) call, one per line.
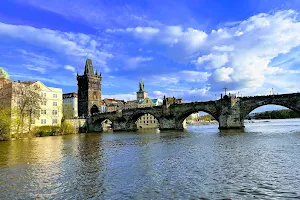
point(124, 126)
point(169, 124)
point(94, 127)
point(230, 122)
point(230, 115)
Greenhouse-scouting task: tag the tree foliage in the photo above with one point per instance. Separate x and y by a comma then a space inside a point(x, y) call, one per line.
point(5, 122)
point(28, 101)
point(68, 112)
point(277, 114)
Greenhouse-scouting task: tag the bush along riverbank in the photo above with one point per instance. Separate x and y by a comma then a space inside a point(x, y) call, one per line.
point(42, 131)
point(65, 128)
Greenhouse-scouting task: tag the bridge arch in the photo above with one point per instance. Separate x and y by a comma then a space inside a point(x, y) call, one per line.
point(94, 109)
point(248, 109)
point(99, 122)
point(131, 123)
point(180, 119)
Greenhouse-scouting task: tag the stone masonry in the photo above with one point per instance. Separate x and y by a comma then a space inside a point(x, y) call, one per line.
point(229, 112)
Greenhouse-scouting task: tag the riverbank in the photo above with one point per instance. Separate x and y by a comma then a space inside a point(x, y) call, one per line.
point(201, 122)
point(65, 128)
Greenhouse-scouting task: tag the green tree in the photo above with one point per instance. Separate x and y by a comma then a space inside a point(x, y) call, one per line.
point(5, 122)
point(68, 112)
point(28, 101)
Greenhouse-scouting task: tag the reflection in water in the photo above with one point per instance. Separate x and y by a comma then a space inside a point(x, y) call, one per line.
point(90, 173)
point(260, 162)
point(232, 132)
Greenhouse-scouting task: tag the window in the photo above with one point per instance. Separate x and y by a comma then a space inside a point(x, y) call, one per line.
point(44, 103)
point(54, 112)
point(43, 94)
point(54, 121)
point(54, 103)
point(54, 95)
point(43, 112)
point(43, 121)
point(33, 121)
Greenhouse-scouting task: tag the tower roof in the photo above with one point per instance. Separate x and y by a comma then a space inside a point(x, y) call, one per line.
point(89, 69)
point(142, 86)
point(3, 74)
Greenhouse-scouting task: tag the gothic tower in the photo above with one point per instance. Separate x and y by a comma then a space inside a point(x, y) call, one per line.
point(89, 90)
point(141, 94)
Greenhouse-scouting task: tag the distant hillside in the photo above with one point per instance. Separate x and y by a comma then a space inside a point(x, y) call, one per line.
point(276, 114)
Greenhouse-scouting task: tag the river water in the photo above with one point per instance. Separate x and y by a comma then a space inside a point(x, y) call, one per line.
point(261, 162)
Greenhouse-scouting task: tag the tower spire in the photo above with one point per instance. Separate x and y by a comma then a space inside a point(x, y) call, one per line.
point(142, 86)
point(88, 69)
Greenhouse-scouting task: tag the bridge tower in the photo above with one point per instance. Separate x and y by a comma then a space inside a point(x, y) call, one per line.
point(89, 90)
point(141, 94)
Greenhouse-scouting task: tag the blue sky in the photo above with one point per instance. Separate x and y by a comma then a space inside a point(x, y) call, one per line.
point(189, 49)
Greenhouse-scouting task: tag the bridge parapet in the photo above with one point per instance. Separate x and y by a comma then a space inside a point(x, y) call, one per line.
point(229, 112)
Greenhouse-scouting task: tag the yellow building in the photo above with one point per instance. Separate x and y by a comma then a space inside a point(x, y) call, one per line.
point(147, 121)
point(51, 105)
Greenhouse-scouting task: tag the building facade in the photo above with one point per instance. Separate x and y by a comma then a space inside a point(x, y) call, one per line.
point(50, 112)
point(89, 91)
point(112, 105)
point(147, 120)
point(70, 105)
point(51, 106)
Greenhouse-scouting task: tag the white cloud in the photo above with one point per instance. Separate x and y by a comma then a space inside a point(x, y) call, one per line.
point(76, 45)
point(139, 32)
point(240, 52)
point(223, 75)
point(190, 39)
point(34, 68)
point(274, 70)
point(215, 61)
point(250, 46)
point(158, 93)
point(58, 80)
point(37, 59)
point(132, 63)
point(185, 76)
point(223, 48)
point(70, 68)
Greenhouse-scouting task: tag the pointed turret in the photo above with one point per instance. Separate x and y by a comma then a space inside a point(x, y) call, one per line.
point(88, 70)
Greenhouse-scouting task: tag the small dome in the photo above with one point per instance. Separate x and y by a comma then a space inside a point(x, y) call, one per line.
point(3, 73)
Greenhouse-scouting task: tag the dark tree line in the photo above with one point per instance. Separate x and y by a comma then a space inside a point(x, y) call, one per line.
point(277, 114)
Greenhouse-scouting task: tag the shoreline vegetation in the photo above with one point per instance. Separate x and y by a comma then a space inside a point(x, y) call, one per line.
point(65, 128)
point(275, 114)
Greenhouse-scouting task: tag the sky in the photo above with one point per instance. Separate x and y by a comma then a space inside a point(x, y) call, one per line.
point(189, 49)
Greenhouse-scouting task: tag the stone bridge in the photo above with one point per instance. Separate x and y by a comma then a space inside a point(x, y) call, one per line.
point(229, 112)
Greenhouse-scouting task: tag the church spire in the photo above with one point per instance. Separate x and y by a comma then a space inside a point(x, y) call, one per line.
point(88, 70)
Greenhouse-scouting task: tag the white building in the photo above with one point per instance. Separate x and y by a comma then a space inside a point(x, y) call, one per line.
point(51, 106)
point(70, 103)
